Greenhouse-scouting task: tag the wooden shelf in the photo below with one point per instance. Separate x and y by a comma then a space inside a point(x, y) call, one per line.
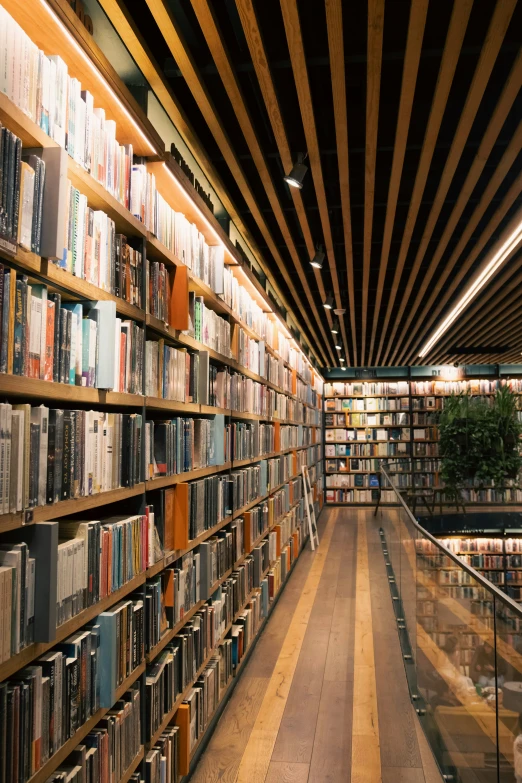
point(67, 507)
point(180, 478)
point(133, 766)
point(20, 386)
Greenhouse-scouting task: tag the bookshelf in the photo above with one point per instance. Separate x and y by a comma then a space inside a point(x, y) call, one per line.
point(220, 342)
point(403, 421)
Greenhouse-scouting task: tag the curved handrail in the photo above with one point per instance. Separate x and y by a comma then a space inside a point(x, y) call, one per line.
point(476, 575)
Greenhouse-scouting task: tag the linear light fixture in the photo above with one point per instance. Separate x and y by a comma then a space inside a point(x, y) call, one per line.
point(495, 262)
point(96, 72)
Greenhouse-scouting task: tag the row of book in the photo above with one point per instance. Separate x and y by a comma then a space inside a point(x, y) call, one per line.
point(370, 480)
point(80, 344)
point(207, 327)
point(359, 496)
point(366, 389)
point(386, 449)
point(368, 434)
point(43, 89)
point(109, 749)
point(184, 444)
point(367, 404)
point(368, 419)
point(93, 251)
point(67, 566)
point(66, 686)
point(48, 701)
point(51, 454)
point(175, 373)
point(22, 182)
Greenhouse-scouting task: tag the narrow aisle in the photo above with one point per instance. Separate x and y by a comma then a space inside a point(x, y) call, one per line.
point(324, 695)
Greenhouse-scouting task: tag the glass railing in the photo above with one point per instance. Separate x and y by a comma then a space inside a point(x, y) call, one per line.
point(461, 638)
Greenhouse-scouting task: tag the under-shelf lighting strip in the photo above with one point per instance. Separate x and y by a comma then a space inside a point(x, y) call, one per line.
point(96, 72)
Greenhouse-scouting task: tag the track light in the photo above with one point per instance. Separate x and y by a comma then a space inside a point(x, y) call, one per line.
point(489, 270)
point(339, 347)
point(298, 173)
point(335, 328)
point(329, 303)
point(318, 259)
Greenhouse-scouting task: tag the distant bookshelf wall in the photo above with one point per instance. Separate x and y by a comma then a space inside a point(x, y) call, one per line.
point(156, 416)
point(369, 422)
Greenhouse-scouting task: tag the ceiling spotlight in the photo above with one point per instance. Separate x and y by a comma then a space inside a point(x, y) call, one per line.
point(340, 310)
point(339, 347)
point(317, 260)
point(329, 303)
point(335, 328)
point(297, 175)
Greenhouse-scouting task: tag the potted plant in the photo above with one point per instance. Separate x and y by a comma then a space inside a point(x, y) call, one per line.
point(479, 440)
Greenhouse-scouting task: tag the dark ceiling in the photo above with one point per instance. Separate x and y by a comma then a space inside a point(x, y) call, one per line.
point(431, 91)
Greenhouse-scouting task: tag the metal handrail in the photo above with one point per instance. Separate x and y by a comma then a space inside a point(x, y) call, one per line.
point(489, 586)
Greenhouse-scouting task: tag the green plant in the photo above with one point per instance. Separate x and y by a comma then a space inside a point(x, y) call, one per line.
point(479, 442)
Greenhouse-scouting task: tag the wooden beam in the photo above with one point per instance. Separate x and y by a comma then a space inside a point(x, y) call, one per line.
point(170, 30)
point(334, 22)
point(417, 22)
point(128, 31)
point(497, 29)
point(494, 223)
point(297, 57)
point(452, 47)
point(373, 86)
point(260, 61)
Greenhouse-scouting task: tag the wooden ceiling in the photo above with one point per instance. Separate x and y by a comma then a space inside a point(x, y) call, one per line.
point(410, 115)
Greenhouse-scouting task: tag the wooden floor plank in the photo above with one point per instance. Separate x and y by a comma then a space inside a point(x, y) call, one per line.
point(333, 737)
point(402, 775)
point(256, 758)
point(283, 772)
point(220, 762)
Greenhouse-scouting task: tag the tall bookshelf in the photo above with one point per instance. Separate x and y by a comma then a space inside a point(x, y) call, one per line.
point(371, 421)
point(260, 538)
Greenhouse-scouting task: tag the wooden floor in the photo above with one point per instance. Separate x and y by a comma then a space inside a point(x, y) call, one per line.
point(324, 695)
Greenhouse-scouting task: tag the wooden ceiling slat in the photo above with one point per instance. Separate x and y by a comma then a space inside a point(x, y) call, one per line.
point(334, 21)
point(135, 43)
point(500, 213)
point(454, 40)
point(488, 56)
point(416, 25)
point(489, 139)
point(170, 30)
point(256, 47)
point(373, 86)
point(297, 57)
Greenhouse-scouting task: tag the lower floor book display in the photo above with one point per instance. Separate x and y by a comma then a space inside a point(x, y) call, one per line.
point(126, 693)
